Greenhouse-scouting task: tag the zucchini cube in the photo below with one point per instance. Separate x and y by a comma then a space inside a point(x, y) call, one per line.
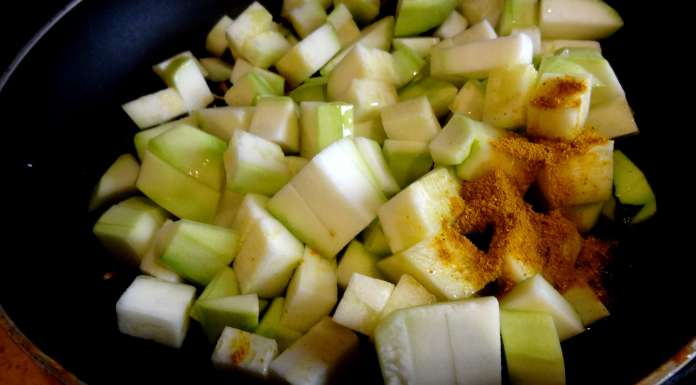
point(155, 310)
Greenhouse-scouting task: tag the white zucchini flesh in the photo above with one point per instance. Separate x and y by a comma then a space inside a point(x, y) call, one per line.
point(314, 358)
point(456, 62)
point(577, 19)
point(118, 180)
point(155, 310)
point(247, 352)
point(156, 108)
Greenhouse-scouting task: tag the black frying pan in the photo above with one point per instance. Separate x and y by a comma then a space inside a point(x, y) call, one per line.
point(63, 126)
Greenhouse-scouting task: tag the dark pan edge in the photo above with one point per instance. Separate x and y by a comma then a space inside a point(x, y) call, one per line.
point(35, 39)
point(661, 375)
point(45, 362)
point(670, 368)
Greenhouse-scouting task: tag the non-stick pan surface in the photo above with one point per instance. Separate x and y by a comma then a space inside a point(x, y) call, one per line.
point(62, 126)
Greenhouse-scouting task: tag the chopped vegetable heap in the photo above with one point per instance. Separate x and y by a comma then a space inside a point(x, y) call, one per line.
point(431, 180)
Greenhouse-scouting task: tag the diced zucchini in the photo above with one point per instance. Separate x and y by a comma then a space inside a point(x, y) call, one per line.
point(412, 119)
point(241, 68)
point(419, 45)
point(295, 164)
point(344, 201)
point(420, 210)
point(155, 310)
point(230, 202)
point(632, 188)
point(453, 25)
point(362, 303)
point(222, 121)
point(156, 108)
point(480, 31)
point(152, 266)
point(507, 94)
point(274, 81)
point(238, 311)
point(323, 124)
point(469, 101)
point(198, 251)
point(407, 293)
point(312, 292)
point(446, 263)
point(255, 165)
point(482, 156)
point(440, 94)
point(408, 160)
point(342, 21)
point(532, 349)
point(309, 55)
point(537, 295)
point(178, 193)
point(267, 258)
point(271, 326)
point(585, 216)
point(369, 97)
point(518, 14)
point(310, 92)
point(316, 356)
point(448, 343)
point(607, 86)
point(360, 63)
point(218, 70)
point(118, 181)
point(374, 158)
point(559, 106)
point(237, 350)
point(224, 284)
point(142, 138)
point(266, 48)
point(550, 47)
point(255, 19)
point(585, 302)
point(455, 62)
point(581, 179)
point(185, 75)
point(407, 65)
point(375, 241)
point(306, 16)
point(290, 4)
point(128, 229)
point(578, 19)
point(276, 120)
point(371, 129)
point(293, 211)
point(216, 42)
point(363, 10)
point(479, 10)
point(252, 209)
point(453, 145)
point(353, 186)
point(357, 259)
point(534, 35)
point(248, 89)
point(161, 68)
point(414, 17)
point(192, 152)
point(377, 35)
point(612, 119)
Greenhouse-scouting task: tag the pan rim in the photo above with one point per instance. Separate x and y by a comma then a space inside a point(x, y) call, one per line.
point(49, 365)
point(661, 375)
